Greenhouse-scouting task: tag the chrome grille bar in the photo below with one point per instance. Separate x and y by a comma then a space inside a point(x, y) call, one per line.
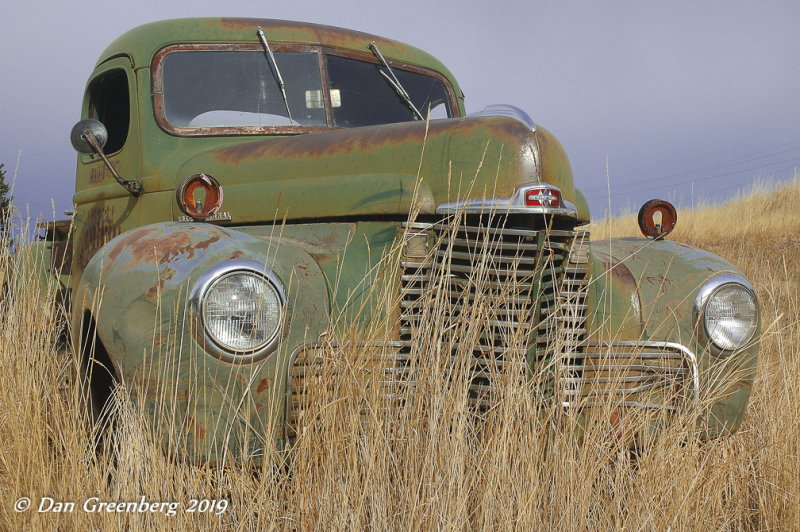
point(629, 369)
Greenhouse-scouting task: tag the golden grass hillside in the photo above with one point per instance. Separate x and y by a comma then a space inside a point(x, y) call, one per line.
point(430, 464)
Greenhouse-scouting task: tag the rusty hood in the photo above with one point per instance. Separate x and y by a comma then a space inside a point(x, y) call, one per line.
point(382, 170)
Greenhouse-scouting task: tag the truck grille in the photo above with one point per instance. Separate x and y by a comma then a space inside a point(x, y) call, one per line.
point(491, 293)
point(491, 302)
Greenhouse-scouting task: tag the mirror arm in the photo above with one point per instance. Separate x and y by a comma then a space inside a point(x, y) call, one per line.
point(134, 186)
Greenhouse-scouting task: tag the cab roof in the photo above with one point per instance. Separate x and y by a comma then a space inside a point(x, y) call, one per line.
point(141, 43)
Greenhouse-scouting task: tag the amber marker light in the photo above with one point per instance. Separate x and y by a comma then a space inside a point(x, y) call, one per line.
point(199, 196)
point(657, 218)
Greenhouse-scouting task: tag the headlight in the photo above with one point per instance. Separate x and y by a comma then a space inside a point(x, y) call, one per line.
point(238, 311)
point(726, 310)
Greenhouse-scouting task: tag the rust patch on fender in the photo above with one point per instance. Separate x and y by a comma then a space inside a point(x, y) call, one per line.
point(165, 276)
point(621, 273)
point(145, 249)
point(263, 384)
point(659, 280)
point(196, 428)
point(618, 271)
point(127, 241)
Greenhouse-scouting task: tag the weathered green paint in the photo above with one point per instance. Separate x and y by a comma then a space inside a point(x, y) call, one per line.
point(645, 290)
point(141, 43)
point(34, 261)
point(351, 257)
point(257, 173)
point(322, 210)
point(143, 279)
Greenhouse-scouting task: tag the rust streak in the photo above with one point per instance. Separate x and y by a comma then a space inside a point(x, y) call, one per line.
point(196, 428)
point(128, 241)
point(165, 276)
point(146, 249)
point(367, 139)
point(621, 273)
point(312, 33)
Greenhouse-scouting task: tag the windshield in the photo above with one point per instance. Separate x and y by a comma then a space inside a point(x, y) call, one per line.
point(367, 99)
point(239, 88)
point(206, 90)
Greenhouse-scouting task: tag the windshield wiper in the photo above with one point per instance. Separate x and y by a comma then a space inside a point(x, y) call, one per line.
point(394, 82)
point(277, 71)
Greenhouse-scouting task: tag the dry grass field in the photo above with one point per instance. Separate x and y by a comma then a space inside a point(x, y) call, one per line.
point(433, 464)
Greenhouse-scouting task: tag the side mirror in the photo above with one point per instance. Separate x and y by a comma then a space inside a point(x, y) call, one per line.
point(88, 137)
point(78, 138)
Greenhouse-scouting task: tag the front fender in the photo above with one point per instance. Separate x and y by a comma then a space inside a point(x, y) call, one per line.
point(645, 290)
point(136, 289)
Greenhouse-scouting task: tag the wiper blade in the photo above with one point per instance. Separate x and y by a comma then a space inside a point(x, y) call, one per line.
point(277, 71)
point(394, 82)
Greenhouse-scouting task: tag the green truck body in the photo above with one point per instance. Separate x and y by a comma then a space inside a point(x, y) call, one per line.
point(318, 189)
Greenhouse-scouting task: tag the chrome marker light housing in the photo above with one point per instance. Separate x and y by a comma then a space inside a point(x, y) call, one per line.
point(238, 311)
point(726, 313)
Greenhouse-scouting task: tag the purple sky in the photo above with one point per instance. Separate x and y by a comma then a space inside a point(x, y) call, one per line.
point(657, 100)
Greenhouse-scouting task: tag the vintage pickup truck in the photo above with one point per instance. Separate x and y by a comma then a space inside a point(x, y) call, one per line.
point(243, 186)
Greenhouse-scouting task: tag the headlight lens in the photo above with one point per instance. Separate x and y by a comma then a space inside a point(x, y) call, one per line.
point(238, 309)
point(730, 316)
point(242, 311)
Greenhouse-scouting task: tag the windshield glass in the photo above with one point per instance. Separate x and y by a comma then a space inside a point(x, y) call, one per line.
point(239, 88)
point(233, 90)
point(365, 97)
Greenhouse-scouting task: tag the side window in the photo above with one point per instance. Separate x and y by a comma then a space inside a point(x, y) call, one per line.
point(109, 102)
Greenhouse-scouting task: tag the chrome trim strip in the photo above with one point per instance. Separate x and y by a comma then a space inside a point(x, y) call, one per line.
point(513, 205)
point(198, 327)
point(509, 111)
point(688, 355)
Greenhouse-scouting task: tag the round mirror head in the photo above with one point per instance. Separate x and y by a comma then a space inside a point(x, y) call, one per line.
point(657, 218)
point(78, 138)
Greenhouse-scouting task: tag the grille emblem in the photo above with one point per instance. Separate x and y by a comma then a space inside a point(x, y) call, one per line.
point(543, 197)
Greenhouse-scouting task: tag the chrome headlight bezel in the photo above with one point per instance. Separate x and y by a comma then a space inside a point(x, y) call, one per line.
point(197, 297)
point(706, 293)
